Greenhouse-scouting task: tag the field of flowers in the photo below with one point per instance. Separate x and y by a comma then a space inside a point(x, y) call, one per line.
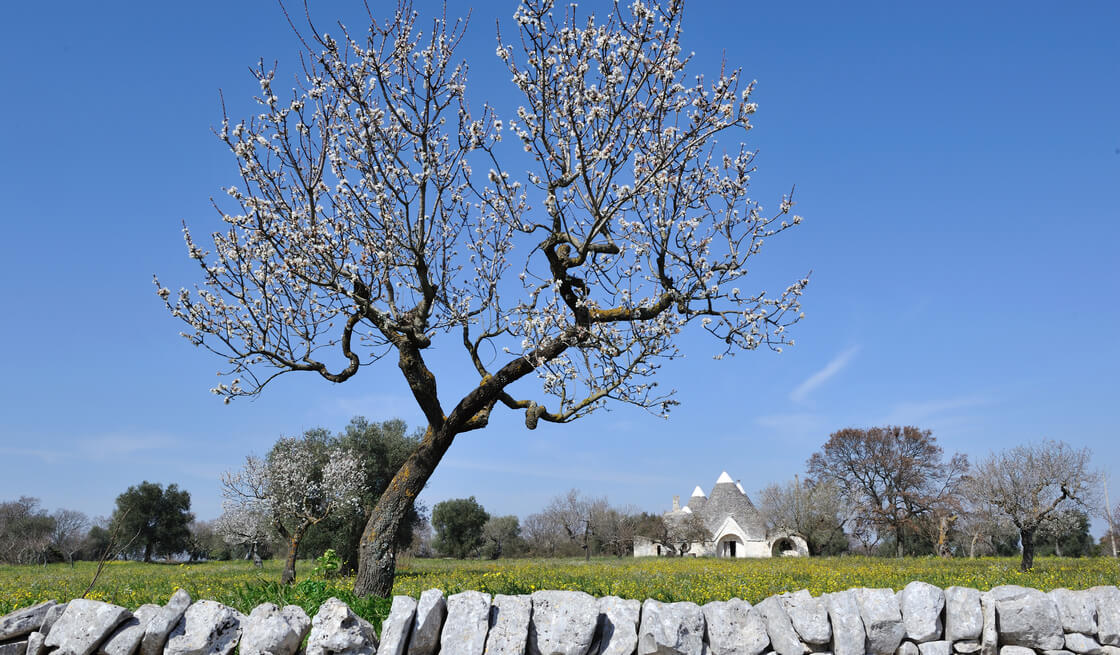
point(240, 585)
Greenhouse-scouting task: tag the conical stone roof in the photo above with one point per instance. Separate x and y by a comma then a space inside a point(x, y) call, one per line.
point(727, 500)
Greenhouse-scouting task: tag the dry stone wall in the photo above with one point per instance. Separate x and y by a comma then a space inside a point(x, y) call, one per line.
point(921, 619)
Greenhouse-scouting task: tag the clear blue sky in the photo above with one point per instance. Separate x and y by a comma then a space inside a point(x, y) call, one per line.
point(957, 165)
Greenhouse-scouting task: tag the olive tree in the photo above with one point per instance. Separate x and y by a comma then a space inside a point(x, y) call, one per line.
point(1031, 484)
point(380, 213)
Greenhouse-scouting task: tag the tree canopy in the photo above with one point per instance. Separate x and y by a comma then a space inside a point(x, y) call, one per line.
point(459, 525)
point(154, 520)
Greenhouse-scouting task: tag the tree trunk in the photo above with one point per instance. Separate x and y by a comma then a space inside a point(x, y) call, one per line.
point(289, 574)
point(148, 553)
point(377, 564)
point(972, 546)
point(1027, 537)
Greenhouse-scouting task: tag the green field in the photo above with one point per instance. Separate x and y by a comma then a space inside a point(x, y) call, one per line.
point(240, 585)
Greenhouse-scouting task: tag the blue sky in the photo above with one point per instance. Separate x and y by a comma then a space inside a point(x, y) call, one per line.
point(957, 165)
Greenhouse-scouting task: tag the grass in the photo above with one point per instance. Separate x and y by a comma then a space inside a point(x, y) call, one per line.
point(240, 585)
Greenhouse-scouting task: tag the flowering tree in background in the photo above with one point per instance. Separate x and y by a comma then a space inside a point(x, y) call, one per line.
point(299, 483)
point(1031, 484)
point(244, 523)
point(379, 213)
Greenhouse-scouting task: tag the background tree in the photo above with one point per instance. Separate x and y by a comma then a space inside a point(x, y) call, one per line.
point(894, 476)
point(360, 230)
point(1030, 483)
point(159, 518)
point(26, 531)
point(578, 517)
point(615, 530)
point(458, 523)
point(676, 534)
point(1065, 534)
point(298, 484)
point(816, 511)
point(501, 537)
point(68, 533)
point(381, 448)
point(247, 527)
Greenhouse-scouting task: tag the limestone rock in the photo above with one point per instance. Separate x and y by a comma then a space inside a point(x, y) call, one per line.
point(617, 633)
point(1057, 652)
point(24, 621)
point(735, 628)
point(848, 635)
point(1027, 617)
point(1077, 609)
point(964, 619)
point(127, 637)
point(921, 604)
point(562, 623)
point(783, 636)
point(940, 647)
point(83, 625)
point(397, 626)
point(1110, 650)
point(509, 625)
point(989, 635)
point(1079, 643)
point(882, 620)
point(35, 643)
point(967, 646)
point(270, 630)
point(431, 610)
point(337, 630)
point(18, 647)
point(1016, 650)
point(52, 617)
point(468, 617)
point(207, 628)
point(1107, 600)
point(671, 629)
point(907, 648)
point(160, 626)
point(809, 617)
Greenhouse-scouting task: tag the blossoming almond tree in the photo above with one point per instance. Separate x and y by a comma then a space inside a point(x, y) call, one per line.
point(379, 213)
point(299, 483)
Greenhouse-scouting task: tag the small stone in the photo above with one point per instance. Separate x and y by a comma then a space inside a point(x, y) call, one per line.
point(127, 637)
point(989, 635)
point(671, 629)
point(337, 630)
point(1077, 609)
point(882, 620)
point(468, 617)
point(1057, 652)
point(431, 610)
point(809, 617)
point(967, 646)
point(83, 625)
point(397, 626)
point(18, 647)
point(617, 632)
point(1110, 650)
point(24, 621)
point(735, 628)
point(35, 643)
point(1027, 617)
point(1107, 600)
point(783, 637)
point(270, 630)
point(509, 625)
point(921, 604)
point(940, 647)
point(562, 623)
point(165, 620)
point(848, 635)
point(964, 619)
point(1016, 650)
point(907, 648)
point(1079, 643)
point(207, 628)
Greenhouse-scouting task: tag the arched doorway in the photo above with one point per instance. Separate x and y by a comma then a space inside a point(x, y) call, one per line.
point(730, 546)
point(783, 548)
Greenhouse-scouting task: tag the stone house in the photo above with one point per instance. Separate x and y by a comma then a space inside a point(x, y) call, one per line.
point(734, 525)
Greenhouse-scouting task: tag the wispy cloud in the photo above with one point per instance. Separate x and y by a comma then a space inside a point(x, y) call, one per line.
point(815, 380)
point(908, 413)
